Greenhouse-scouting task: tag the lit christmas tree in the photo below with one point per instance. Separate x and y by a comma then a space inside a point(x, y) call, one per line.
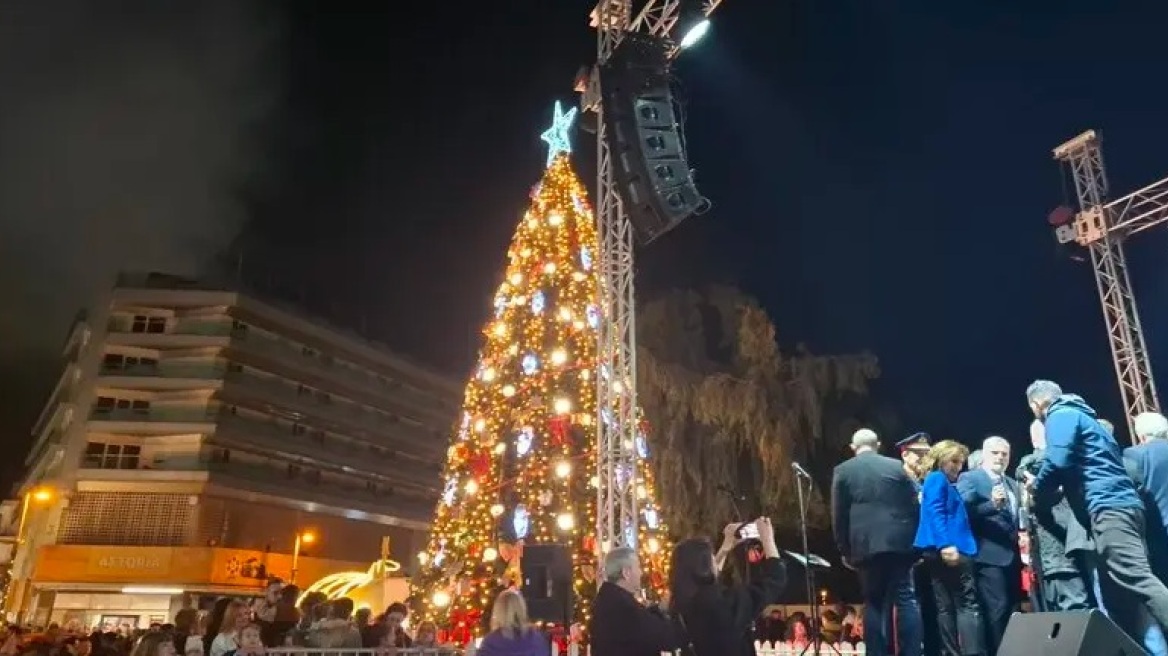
point(521, 468)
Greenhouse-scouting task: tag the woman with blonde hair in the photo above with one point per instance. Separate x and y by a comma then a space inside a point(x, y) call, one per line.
point(511, 632)
point(227, 618)
point(945, 537)
point(154, 644)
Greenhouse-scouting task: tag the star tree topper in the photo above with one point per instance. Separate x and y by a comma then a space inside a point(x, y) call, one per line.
point(557, 136)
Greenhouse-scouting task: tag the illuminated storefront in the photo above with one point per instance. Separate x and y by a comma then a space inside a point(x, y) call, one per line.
point(132, 587)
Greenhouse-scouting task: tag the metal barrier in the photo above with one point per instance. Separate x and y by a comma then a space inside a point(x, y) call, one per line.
point(761, 649)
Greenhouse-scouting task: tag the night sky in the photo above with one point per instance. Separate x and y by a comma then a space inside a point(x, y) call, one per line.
point(880, 172)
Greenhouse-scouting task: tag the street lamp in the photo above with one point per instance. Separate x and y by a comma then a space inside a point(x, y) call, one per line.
point(15, 598)
point(302, 538)
point(39, 494)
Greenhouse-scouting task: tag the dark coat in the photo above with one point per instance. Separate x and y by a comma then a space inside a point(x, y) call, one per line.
point(621, 626)
point(1058, 532)
point(1147, 464)
point(719, 619)
point(996, 529)
point(874, 507)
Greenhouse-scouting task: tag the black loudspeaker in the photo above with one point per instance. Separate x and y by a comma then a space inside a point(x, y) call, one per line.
point(547, 582)
point(644, 139)
point(1068, 633)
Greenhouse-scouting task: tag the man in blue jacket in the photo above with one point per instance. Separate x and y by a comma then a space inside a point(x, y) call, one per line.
point(1085, 461)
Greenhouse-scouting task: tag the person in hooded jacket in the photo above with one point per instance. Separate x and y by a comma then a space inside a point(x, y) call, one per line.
point(1064, 547)
point(718, 619)
point(511, 631)
point(1084, 460)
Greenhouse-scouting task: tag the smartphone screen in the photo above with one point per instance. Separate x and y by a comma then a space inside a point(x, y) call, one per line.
point(748, 531)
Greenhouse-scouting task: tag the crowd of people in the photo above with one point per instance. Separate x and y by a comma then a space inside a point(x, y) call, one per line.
point(238, 627)
point(943, 545)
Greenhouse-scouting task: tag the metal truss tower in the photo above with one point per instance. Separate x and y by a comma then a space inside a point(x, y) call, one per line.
point(616, 380)
point(1102, 227)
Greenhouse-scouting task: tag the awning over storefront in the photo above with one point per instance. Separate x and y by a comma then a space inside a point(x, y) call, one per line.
point(204, 568)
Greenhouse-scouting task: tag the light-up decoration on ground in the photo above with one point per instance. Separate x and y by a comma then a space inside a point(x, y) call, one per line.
point(341, 584)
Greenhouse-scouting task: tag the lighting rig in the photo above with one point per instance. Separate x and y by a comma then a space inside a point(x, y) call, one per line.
point(1102, 226)
point(644, 189)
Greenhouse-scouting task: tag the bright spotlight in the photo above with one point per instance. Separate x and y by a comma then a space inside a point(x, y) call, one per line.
point(695, 33)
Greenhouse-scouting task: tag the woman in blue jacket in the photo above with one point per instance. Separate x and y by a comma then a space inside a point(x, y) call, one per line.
point(945, 538)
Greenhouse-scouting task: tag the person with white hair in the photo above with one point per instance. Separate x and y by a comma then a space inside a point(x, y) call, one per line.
point(1083, 460)
point(1062, 549)
point(1147, 464)
point(975, 458)
point(994, 503)
point(620, 624)
point(874, 517)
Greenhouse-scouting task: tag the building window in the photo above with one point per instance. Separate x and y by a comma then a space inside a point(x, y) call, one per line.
point(108, 405)
point(145, 324)
point(99, 455)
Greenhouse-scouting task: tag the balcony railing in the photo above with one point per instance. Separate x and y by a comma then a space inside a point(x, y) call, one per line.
point(272, 436)
point(273, 479)
point(345, 418)
point(276, 482)
point(194, 415)
point(400, 398)
point(179, 327)
point(201, 371)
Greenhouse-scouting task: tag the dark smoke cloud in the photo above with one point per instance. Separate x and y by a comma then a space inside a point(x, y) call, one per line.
point(129, 133)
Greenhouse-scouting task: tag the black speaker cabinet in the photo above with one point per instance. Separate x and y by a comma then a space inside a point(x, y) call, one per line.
point(547, 582)
point(1068, 633)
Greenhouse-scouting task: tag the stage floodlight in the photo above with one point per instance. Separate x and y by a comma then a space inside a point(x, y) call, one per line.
point(692, 24)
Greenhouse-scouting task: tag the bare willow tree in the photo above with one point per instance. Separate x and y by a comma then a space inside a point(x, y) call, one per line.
point(730, 412)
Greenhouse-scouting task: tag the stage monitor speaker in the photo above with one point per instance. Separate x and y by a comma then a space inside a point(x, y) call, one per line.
point(1067, 633)
point(547, 582)
point(644, 139)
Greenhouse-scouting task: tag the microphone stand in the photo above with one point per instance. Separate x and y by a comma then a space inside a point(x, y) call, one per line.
point(816, 644)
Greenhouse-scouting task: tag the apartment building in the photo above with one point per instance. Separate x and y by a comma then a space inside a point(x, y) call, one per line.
point(201, 440)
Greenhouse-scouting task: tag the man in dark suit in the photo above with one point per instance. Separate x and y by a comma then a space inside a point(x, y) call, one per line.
point(621, 625)
point(993, 501)
point(874, 512)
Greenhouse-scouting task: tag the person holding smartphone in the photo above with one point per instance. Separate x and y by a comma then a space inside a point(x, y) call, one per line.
point(718, 619)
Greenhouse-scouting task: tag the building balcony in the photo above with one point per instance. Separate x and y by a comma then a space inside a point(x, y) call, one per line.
point(184, 333)
point(152, 421)
point(262, 483)
point(274, 397)
point(320, 372)
point(164, 376)
point(273, 437)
